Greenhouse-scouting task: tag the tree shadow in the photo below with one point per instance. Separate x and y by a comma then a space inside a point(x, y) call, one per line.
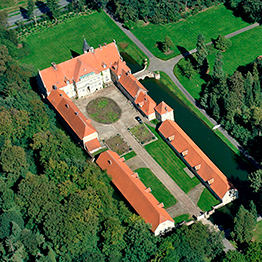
point(185, 53)
point(42, 7)
point(160, 45)
point(24, 13)
point(73, 53)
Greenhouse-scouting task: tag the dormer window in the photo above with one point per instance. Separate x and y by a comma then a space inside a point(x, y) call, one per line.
point(54, 86)
point(171, 138)
point(109, 162)
point(197, 167)
point(184, 153)
point(67, 106)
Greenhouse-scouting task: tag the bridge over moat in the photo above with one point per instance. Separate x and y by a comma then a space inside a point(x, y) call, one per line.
point(141, 75)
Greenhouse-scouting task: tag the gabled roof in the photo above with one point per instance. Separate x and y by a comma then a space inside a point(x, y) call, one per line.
point(146, 103)
point(120, 67)
point(133, 189)
point(71, 114)
point(97, 61)
point(131, 84)
point(195, 156)
point(92, 145)
point(163, 108)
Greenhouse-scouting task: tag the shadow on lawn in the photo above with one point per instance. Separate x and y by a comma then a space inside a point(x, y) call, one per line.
point(73, 53)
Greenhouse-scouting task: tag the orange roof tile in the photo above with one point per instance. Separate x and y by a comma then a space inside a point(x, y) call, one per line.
point(196, 156)
point(163, 108)
point(131, 84)
point(133, 189)
point(146, 103)
point(71, 114)
point(92, 145)
point(119, 67)
point(73, 69)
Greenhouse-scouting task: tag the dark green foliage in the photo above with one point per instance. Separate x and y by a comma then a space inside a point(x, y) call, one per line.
point(218, 71)
point(158, 11)
point(222, 43)
point(243, 226)
point(53, 6)
point(191, 244)
point(201, 51)
point(30, 8)
point(255, 179)
point(167, 44)
point(234, 256)
point(254, 252)
point(187, 69)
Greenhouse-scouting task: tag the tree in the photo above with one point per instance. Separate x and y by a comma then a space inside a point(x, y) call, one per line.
point(5, 59)
point(187, 69)
point(222, 43)
point(30, 8)
point(243, 226)
point(254, 252)
point(234, 256)
point(252, 10)
point(236, 84)
point(53, 7)
point(255, 179)
point(201, 50)
point(218, 71)
point(248, 83)
point(253, 211)
point(167, 44)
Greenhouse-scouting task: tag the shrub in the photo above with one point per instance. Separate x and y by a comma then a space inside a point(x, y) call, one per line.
point(222, 43)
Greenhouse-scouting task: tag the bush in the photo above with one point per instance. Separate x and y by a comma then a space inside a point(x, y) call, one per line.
point(222, 43)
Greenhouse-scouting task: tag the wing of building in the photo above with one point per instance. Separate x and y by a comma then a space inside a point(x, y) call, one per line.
point(135, 192)
point(198, 162)
point(75, 120)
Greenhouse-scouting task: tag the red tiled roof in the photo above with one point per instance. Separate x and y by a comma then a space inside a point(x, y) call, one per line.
point(120, 66)
point(71, 114)
point(131, 84)
point(163, 108)
point(146, 103)
point(133, 189)
point(196, 156)
point(81, 65)
point(92, 145)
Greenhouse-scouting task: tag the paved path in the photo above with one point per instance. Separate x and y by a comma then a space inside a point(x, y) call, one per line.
point(156, 64)
point(185, 202)
point(18, 16)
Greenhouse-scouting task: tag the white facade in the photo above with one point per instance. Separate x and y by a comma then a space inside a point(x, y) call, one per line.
point(163, 227)
point(230, 195)
point(163, 117)
point(87, 84)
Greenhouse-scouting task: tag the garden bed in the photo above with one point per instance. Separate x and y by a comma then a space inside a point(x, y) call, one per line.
point(117, 144)
point(104, 110)
point(142, 134)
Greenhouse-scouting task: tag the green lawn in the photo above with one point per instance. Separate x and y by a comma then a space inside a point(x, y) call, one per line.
point(54, 44)
point(245, 48)
point(129, 155)
point(207, 200)
point(171, 163)
point(257, 233)
point(159, 191)
point(181, 218)
point(213, 21)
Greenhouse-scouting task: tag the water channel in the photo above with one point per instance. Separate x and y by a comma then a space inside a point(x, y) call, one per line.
point(232, 165)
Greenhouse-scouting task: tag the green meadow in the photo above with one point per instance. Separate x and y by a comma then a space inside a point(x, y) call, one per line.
point(211, 22)
point(60, 42)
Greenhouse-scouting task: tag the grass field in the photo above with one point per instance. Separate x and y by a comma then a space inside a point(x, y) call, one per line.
point(58, 43)
point(184, 217)
point(207, 200)
point(245, 48)
point(159, 191)
point(213, 21)
point(171, 163)
point(257, 233)
point(129, 155)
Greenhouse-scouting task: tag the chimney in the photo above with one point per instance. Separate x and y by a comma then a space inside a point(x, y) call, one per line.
point(100, 47)
point(92, 50)
point(135, 175)
point(54, 65)
point(67, 106)
point(104, 44)
point(114, 41)
point(54, 86)
point(76, 113)
point(61, 95)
